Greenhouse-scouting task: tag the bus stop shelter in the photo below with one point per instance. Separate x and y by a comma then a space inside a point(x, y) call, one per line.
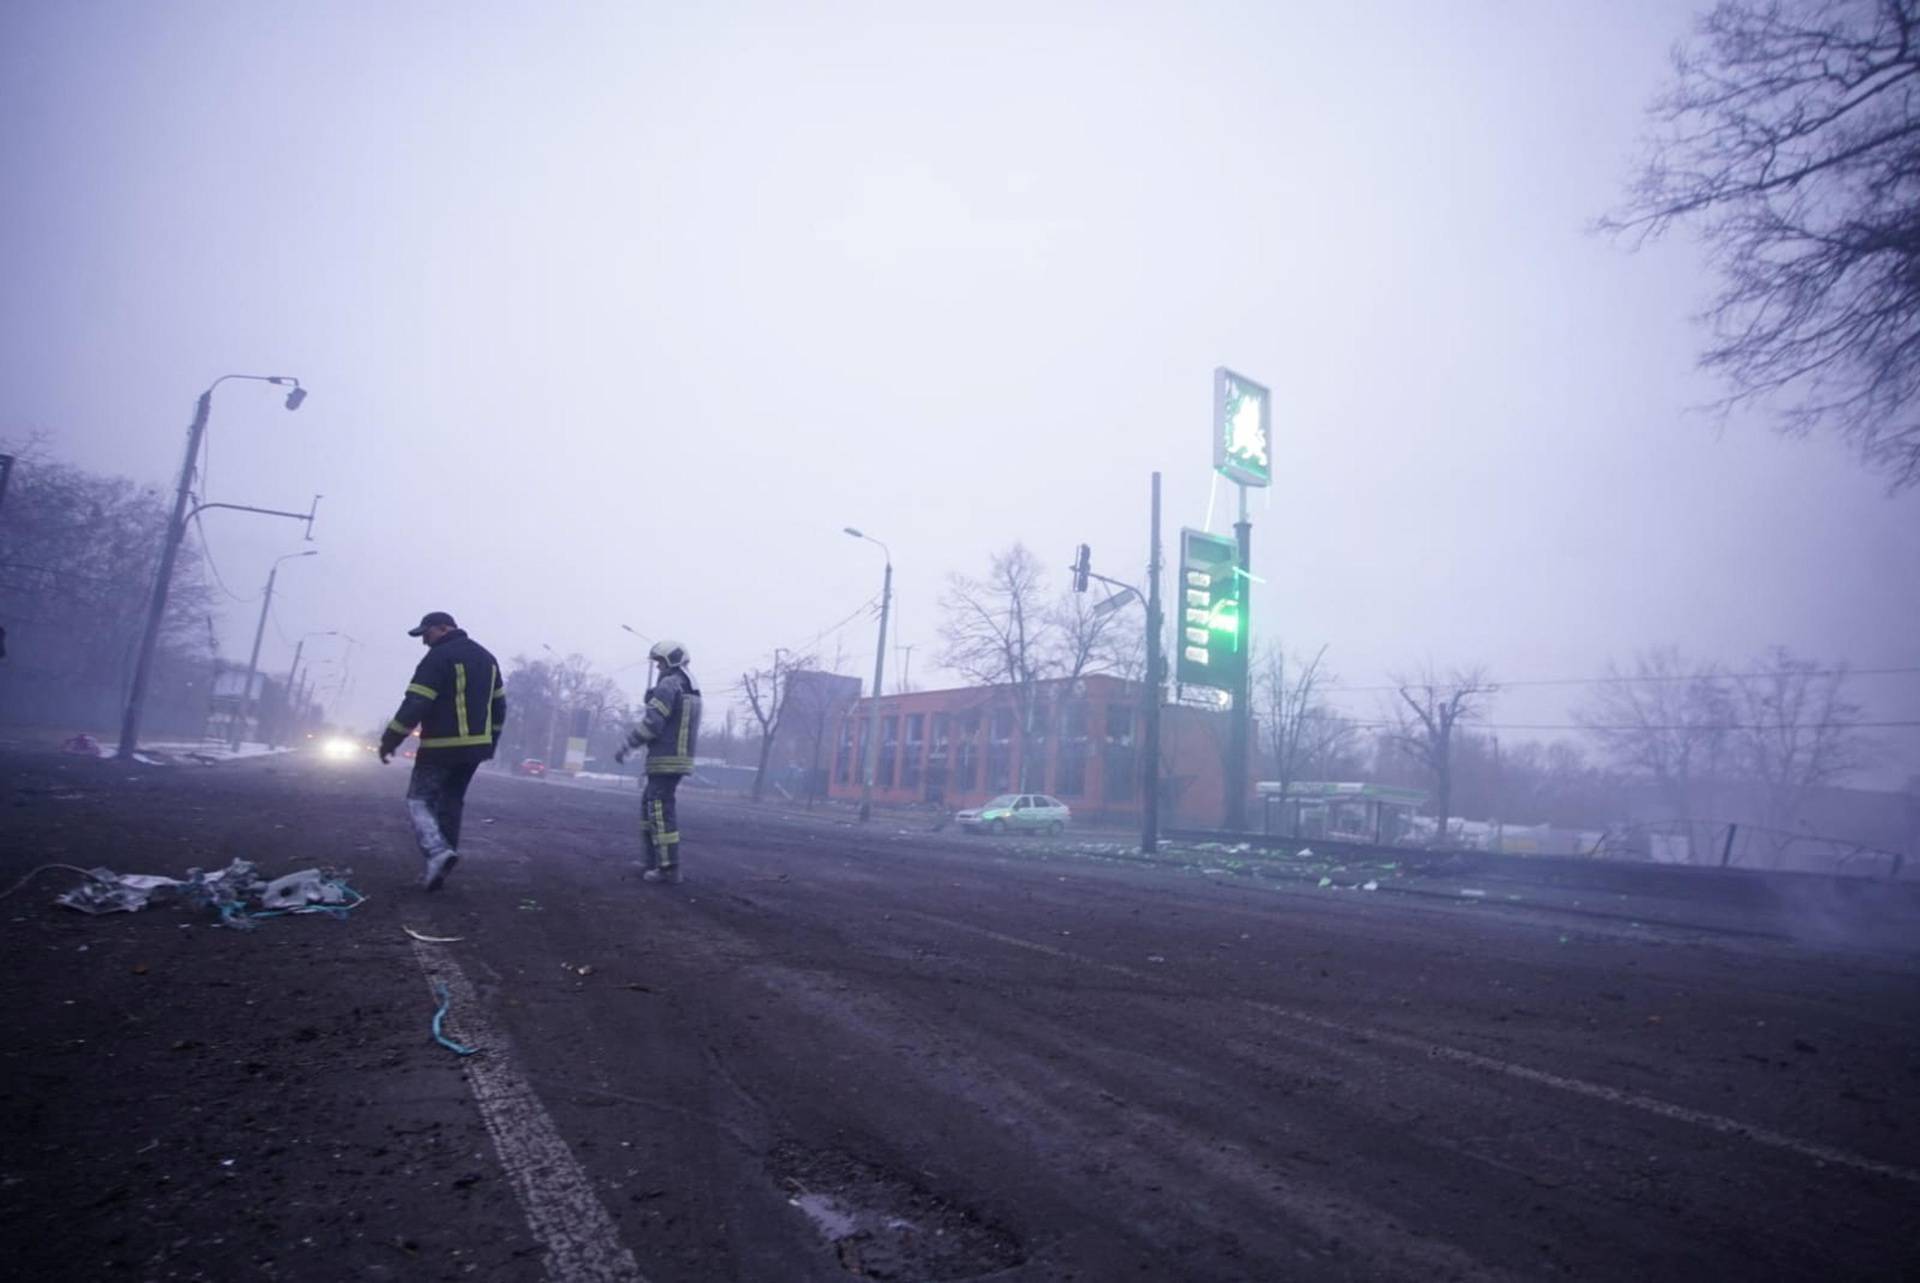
point(1347, 812)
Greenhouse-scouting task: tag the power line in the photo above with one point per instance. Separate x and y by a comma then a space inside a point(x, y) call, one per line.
point(1553, 726)
point(206, 555)
point(830, 629)
point(1494, 687)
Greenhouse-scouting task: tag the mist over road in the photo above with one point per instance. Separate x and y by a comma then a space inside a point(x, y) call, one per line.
point(841, 1051)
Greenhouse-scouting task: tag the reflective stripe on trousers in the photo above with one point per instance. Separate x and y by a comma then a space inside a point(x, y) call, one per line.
point(659, 821)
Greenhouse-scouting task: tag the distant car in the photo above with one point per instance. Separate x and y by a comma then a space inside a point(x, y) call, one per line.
point(1017, 813)
point(530, 766)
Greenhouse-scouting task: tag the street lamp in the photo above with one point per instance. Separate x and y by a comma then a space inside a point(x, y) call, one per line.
point(879, 667)
point(170, 549)
point(253, 660)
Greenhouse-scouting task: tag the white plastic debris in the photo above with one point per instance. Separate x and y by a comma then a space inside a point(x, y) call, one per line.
point(1370, 885)
point(297, 890)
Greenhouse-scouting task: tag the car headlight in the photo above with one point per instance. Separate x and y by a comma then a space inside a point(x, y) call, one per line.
point(338, 748)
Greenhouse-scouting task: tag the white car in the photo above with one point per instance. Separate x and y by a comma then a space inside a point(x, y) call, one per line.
point(1017, 813)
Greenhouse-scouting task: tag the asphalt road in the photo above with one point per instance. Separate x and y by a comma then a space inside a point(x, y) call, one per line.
point(841, 1052)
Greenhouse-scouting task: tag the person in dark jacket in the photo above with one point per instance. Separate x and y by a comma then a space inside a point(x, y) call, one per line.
point(459, 702)
point(670, 731)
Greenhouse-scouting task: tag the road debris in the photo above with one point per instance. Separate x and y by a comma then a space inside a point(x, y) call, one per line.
point(239, 894)
point(446, 1001)
point(431, 939)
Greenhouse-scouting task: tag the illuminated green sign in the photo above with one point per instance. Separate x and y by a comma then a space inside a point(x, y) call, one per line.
point(1211, 648)
point(1242, 429)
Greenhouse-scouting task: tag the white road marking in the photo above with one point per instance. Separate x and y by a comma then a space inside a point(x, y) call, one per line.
point(563, 1211)
point(1440, 1051)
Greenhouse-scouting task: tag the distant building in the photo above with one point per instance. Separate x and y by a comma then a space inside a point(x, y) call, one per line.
point(960, 747)
point(816, 704)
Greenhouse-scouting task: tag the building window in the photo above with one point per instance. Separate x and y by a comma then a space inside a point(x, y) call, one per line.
point(966, 769)
point(1033, 745)
point(939, 747)
point(1000, 751)
point(1119, 758)
point(889, 749)
point(1071, 774)
point(916, 749)
point(843, 755)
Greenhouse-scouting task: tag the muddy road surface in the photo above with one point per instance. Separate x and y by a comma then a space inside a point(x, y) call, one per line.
point(843, 1052)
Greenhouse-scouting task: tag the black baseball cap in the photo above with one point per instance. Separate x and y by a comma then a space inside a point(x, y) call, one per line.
point(431, 618)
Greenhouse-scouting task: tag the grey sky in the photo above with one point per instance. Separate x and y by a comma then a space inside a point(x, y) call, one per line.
point(619, 313)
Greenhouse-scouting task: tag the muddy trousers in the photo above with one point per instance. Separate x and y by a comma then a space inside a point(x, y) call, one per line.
point(659, 822)
point(436, 795)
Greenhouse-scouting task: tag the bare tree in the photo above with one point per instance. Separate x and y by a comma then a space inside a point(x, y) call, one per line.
point(546, 696)
point(766, 690)
point(1297, 728)
point(1790, 139)
point(78, 554)
point(1094, 636)
point(1794, 732)
point(1666, 722)
point(1425, 717)
point(997, 632)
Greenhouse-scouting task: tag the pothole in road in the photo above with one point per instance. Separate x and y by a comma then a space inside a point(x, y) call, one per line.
point(882, 1226)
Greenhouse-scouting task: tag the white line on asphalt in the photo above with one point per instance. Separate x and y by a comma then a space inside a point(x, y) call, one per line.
point(1440, 1051)
point(566, 1216)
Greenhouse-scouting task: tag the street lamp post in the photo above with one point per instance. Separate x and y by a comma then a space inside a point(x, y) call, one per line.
point(868, 753)
point(553, 709)
point(170, 550)
point(252, 659)
point(291, 700)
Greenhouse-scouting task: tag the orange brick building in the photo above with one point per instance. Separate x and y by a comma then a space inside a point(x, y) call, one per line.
point(958, 748)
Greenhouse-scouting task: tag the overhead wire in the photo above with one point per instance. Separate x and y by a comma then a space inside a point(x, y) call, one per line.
point(1494, 686)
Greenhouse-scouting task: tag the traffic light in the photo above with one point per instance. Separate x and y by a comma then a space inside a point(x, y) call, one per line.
point(1082, 567)
point(1212, 650)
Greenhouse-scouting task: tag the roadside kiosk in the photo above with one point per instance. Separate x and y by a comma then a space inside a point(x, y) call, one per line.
point(1346, 812)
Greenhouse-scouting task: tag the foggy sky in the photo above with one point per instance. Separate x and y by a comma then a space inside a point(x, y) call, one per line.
point(617, 314)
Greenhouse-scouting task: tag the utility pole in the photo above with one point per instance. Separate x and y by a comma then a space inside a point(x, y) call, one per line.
point(170, 551)
point(157, 604)
point(871, 750)
point(1150, 773)
point(253, 659)
point(873, 717)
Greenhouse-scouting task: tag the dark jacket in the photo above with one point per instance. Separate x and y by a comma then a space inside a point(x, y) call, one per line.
point(671, 727)
point(458, 701)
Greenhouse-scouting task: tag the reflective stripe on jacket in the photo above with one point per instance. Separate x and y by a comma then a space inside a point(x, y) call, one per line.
point(670, 728)
point(457, 699)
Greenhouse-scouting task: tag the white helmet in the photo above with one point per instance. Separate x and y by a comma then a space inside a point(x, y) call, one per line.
point(670, 653)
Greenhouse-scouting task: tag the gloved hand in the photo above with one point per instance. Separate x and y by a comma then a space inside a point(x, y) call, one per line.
point(389, 745)
point(386, 755)
point(620, 755)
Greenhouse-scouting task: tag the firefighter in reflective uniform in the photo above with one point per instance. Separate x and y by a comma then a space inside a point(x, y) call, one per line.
point(457, 700)
point(669, 732)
